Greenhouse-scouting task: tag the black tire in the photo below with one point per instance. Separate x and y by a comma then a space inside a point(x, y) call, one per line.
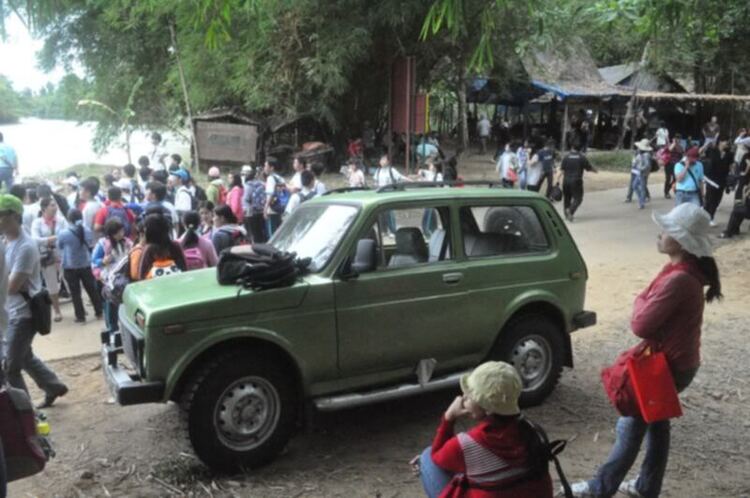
point(534, 345)
point(259, 388)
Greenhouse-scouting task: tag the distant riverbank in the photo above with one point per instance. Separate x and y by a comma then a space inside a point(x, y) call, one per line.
point(46, 146)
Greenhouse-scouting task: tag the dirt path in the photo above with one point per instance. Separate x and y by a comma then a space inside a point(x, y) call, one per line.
point(108, 450)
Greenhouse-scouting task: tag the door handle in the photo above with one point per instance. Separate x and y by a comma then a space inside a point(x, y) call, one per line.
point(452, 278)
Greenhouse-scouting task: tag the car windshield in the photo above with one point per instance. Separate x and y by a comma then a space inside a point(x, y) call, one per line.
point(314, 231)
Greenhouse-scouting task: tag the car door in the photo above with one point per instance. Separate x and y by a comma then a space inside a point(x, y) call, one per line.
point(406, 309)
point(507, 253)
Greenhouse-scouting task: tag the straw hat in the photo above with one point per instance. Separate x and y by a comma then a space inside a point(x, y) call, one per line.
point(495, 386)
point(643, 145)
point(689, 225)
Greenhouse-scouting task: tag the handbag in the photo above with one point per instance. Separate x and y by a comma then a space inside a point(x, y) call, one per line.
point(41, 311)
point(618, 386)
point(23, 448)
point(654, 386)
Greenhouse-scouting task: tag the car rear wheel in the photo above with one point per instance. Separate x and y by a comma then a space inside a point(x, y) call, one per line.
point(241, 411)
point(533, 344)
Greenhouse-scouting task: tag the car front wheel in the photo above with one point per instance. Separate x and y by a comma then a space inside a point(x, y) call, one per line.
point(533, 344)
point(241, 411)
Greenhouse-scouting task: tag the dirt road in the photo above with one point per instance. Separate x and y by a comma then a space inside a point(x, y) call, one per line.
point(105, 450)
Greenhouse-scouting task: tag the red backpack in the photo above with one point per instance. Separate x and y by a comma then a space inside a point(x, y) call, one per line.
point(24, 453)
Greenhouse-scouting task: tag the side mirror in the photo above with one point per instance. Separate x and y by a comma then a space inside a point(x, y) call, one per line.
point(364, 260)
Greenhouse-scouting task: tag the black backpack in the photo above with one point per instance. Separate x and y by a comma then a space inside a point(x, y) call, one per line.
point(265, 267)
point(542, 451)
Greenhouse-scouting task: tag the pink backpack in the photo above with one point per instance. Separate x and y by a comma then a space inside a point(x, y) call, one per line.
point(194, 259)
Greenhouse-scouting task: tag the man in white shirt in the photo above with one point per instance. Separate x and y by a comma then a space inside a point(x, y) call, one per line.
point(662, 136)
point(307, 192)
point(299, 165)
point(484, 128)
point(273, 180)
point(157, 157)
point(184, 193)
point(386, 174)
point(88, 191)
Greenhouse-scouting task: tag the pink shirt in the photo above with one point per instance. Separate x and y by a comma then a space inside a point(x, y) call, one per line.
point(206, 247)
point(669, 315)
point(234, 201)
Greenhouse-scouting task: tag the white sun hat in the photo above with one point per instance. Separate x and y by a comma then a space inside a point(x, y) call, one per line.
point(689, 225)
point(495, 386)
point(643, 145)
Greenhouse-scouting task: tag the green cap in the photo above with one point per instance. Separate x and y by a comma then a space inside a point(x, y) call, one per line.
point(10, 203)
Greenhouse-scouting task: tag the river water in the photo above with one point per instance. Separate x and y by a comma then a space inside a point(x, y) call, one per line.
point(49, 145)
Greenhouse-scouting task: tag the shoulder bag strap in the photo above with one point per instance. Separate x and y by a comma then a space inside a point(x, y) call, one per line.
point(697, 185)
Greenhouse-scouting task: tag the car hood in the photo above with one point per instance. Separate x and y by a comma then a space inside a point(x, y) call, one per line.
point(197, 295)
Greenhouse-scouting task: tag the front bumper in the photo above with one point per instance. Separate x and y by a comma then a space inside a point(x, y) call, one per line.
point(584, 319)
point(126, 388)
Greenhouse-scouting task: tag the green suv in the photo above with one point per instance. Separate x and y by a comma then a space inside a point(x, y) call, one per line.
point(408, 287)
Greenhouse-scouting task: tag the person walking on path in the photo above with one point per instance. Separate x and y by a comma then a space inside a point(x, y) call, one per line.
point(74, 243)
point(675, 155)
point(547, 157)
point(711, 131)
point(8, 164)
point(640, 169)
point(667, 316)
point(44, 230)
point(484, 128)
point(109, 251)
point(24, 282)
point(720, 160)
point(571, 173)
point(492, 458)
point(689, 176)
point(507, 166)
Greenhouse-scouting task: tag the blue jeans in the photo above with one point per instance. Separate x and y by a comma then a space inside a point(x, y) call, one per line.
point(434, 479)
point(681, 197)
point(110, 316)
point(6, 177)
point(20, 356)
point(273, 222)
point(630, 432)
point(639, 187)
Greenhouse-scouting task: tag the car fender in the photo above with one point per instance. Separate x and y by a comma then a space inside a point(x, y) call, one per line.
point(187, 361)
point(527, 299)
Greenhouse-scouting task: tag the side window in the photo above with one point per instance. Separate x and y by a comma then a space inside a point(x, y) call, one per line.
point(501, 230)
point(409, 237)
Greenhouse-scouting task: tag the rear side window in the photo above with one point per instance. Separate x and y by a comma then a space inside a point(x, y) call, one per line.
point(501, 230)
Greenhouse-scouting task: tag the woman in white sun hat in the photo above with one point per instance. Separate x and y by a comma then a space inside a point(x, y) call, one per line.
point(491, 459)
point(667, 316)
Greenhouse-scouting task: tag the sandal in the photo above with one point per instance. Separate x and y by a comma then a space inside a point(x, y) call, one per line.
point(58, 318)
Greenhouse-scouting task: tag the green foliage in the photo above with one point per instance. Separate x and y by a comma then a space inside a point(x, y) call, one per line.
point(10, 102)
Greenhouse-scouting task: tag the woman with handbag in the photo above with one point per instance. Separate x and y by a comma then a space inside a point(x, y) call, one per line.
point(45, 230)
point(667, 316)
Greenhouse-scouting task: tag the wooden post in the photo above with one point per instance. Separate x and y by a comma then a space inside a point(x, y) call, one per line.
point(564, 145)
point(185, 95)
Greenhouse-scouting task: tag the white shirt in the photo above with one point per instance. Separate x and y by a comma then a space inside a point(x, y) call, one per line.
point(183, 199)
point(484, 127)
point(662, 137)
point(40, 232)
point(356, 179)
point(30, 213)
point(508, 160)
point(387, 176)
point(296, 182)
point(89, 213)
point(295, 201)
point(534, 171)
point(271, 182)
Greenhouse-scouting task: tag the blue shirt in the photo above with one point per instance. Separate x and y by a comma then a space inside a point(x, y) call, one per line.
point(688, 184)
point(75, 255)
point(8, 157)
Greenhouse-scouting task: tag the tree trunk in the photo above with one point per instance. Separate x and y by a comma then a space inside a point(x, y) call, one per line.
point(463, 122)
point(629, 116)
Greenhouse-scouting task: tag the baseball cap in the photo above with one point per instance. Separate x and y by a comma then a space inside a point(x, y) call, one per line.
point(181, 174)
point(495, 386)
point(693, 153)
point(10, 203)
point(214, 172)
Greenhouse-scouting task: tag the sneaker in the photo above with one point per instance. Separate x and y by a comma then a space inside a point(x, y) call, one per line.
point(628, 489)
point(49, 398)
point(580, 490)
point(568, 216)
point(628, 201)
point(712, 223)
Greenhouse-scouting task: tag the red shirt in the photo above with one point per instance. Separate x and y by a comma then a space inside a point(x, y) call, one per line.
point(669, 314)
point(101, 216)
point(492, 448)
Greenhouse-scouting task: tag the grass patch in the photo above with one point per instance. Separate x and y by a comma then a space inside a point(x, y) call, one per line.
point(611, 160)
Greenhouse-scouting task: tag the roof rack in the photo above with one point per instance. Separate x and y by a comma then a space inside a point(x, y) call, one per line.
point(344, 190)
point(394, 187)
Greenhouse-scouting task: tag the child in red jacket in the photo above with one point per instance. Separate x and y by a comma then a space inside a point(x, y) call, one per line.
point(491, 459)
